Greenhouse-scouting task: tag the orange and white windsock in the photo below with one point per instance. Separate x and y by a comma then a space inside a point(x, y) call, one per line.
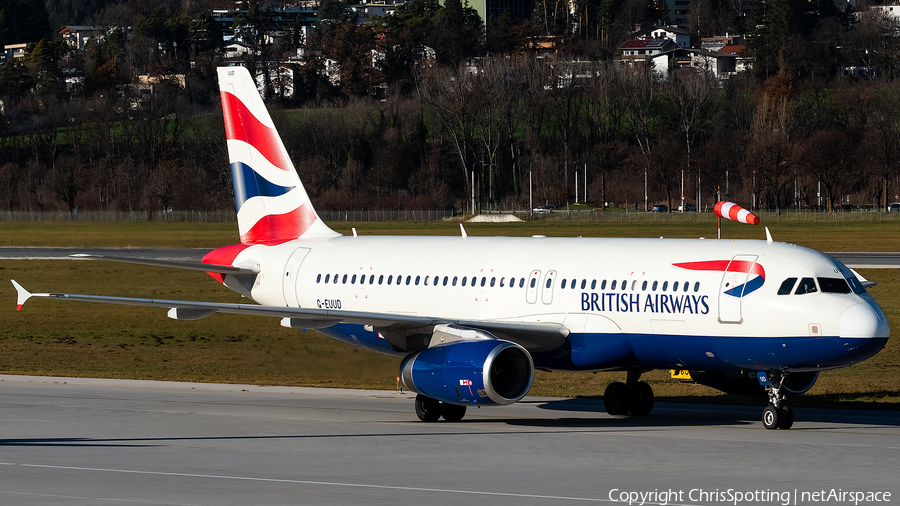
point(734, 212)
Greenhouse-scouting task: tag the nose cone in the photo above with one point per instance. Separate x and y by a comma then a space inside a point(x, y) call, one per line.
point(864, 320)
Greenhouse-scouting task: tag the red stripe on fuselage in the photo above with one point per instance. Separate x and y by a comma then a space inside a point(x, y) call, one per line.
point(242, 125)
point(724, 266)
point(281, 227)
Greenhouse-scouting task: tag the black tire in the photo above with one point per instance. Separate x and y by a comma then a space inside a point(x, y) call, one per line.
point(787, 418)
point(616, 398)
point(771, 417)
point(641, 399)
point(452, 412)
point(427, 409)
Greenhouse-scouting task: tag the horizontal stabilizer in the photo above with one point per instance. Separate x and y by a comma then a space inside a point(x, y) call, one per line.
point(175, 264)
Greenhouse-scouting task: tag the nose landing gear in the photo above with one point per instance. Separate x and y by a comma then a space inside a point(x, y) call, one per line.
point(777, 416)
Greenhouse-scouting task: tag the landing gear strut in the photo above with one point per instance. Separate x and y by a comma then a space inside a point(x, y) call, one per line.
point(429, 410)
point(777, 416)
point(633, 396)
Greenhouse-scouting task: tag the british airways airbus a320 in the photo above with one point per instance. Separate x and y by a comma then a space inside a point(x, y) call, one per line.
point(475, 316)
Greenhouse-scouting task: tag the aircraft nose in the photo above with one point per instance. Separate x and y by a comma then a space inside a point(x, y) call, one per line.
point(863, 320)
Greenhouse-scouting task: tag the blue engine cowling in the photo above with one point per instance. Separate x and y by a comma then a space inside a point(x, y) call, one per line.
point(470, 372)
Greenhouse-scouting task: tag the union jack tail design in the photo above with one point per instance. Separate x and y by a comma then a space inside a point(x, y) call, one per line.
point(272, 205)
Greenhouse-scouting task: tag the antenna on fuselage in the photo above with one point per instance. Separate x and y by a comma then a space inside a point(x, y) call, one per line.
point(463, 230)
point(768, 236)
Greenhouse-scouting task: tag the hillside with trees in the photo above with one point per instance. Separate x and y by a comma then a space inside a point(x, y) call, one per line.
point(399, 112)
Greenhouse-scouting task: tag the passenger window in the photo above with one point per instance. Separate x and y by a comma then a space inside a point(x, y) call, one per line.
point(362, 279)
point(549, 282)
point(594, 284)
point(624, 284)
point(522, 282)
point(426, 280)
point(455, 278)
point(380, 278)
point(644, 286)
point(372, 279)
point(583, 283)
point(445, 280)
point(613, 285)
point(675, 286)
point(697, 286)
point(501, 281)
point(464, 280)
point(390, 279)
point(318, 278)
point(633, 285)
point(573, 283)
point(417, 280)
point(327, 277)
point(336, 278)
point(686, 285)
point(353, 280)
point(807, 285)
point(603, 285)
point(344, 280)
point(655, 285)
point(563, 285)
point(665, 285)
point(483, 281)
point(533, 281)
point(786, 286)
point(834, 285)
point(492, 281)
point(408, 279)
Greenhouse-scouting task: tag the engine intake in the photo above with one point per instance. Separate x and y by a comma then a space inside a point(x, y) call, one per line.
point(470, 372)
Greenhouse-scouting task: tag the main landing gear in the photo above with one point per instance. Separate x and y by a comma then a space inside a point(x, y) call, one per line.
point(632, 396)
point(777, 416)
point(429, 410)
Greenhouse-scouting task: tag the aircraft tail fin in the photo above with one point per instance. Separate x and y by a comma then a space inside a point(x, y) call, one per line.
point(272, 205)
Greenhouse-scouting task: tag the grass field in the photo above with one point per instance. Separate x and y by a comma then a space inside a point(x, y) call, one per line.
point(97, 340)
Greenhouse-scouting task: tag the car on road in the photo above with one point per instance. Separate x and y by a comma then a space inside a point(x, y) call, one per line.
point(660, 208)
point(894, 208)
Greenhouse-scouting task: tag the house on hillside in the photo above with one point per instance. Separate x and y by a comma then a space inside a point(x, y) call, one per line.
point(647, 51)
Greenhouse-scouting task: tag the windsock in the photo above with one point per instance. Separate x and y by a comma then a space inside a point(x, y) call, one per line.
point(734, 212)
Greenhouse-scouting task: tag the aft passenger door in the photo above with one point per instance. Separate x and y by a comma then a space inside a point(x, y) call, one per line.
point(736, 275)
point(291, 272)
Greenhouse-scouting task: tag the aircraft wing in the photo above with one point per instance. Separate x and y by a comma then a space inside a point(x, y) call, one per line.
point(177, 264)
point(535, 336)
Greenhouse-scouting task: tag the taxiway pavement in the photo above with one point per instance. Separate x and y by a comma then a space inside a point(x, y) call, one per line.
point(97, 442)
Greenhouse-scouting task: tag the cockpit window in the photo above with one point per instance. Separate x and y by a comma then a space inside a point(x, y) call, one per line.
point(807, 285)
point(787, 286)
point(834, 285)
point(856, 285)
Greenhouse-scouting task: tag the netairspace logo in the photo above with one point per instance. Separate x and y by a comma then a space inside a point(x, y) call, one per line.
point(734, 497)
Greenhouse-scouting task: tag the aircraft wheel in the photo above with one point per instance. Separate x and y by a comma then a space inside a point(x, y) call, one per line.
point(787, 418)
point(641, 399)
point(427, 409)
point(616, 397)
point(452, 412)
point(771, 417)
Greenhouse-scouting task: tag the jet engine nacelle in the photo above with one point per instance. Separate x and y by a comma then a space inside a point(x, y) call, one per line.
point(481, 372)
point(745, 383)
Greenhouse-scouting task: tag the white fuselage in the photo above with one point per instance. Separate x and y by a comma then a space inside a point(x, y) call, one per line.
point(621, 286)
